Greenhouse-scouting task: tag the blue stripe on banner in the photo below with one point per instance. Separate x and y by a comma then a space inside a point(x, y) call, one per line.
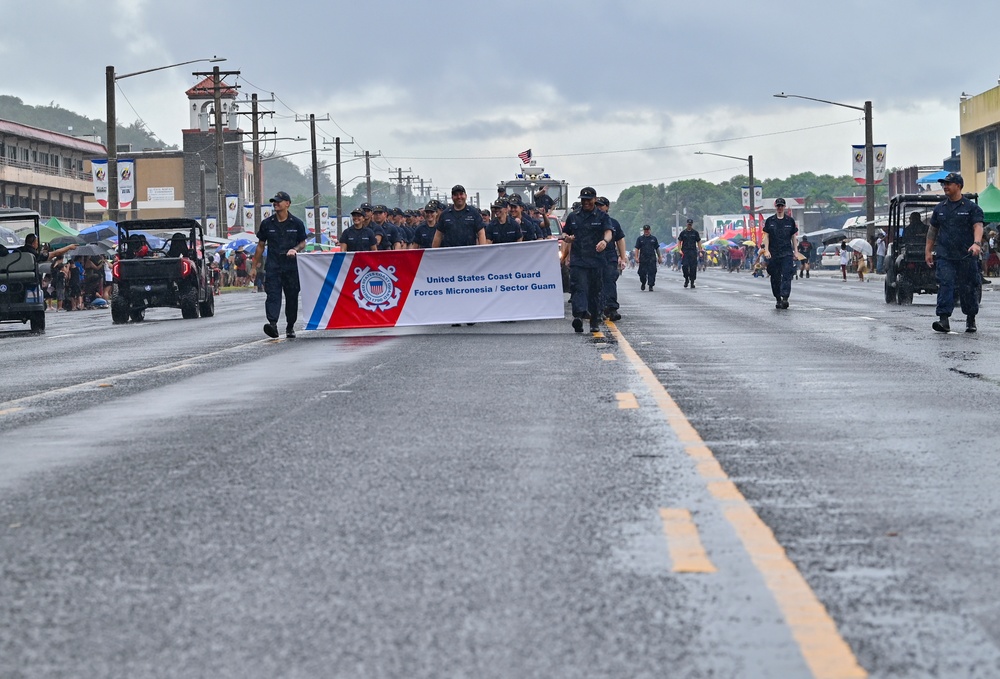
point(326, 291)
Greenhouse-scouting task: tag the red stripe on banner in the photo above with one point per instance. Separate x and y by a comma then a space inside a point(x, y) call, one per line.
point(375, 289)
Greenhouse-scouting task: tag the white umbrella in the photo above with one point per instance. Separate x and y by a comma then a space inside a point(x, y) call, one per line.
point(860, 245)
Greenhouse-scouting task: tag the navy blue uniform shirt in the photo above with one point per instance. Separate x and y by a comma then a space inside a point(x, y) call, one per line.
point(611, 252)
point(648, 247)
point(954, 221)
point(460, 227)
point(358, 240)
point(530, 228)
point(587, 229)
point(689, 240)
point(423, 235)
point(509, 232)
point(780, 232)
point(280, 237)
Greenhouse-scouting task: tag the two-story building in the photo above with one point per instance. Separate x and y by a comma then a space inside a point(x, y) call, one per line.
point(979, 124)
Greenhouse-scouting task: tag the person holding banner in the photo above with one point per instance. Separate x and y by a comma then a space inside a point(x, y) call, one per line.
point(286, 235)
point(359, 237)
point(460, 224)
point(589, 233)
point(780, 246)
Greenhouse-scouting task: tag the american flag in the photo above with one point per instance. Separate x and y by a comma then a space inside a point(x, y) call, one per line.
point(525, 156)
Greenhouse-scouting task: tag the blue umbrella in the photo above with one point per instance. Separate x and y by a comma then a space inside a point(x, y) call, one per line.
point(97, 232)
point(237, 244)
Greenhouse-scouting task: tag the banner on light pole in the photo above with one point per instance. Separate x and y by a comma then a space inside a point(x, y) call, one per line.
point(232, 209)
point(859, 164)
point(758, 197)
point(126, 183)
point(99, 171)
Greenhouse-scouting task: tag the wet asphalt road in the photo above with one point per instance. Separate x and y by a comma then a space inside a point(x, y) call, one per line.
point(186, 498)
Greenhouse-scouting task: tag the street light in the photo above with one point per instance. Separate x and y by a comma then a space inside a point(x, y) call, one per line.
point(110, 79)
point(869, 157)
point(748, 159)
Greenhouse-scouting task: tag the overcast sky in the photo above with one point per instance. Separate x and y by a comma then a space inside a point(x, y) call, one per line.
point(590, 86)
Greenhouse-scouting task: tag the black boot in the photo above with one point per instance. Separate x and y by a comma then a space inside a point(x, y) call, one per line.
point(942, 325)
point(970, 323)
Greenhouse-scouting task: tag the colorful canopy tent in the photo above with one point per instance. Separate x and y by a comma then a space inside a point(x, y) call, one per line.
point(49, 231)
point(989, 200)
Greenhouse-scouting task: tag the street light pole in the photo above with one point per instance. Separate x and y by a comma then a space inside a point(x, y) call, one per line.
point(749, 161)
point(869, 158)
point(110, 78)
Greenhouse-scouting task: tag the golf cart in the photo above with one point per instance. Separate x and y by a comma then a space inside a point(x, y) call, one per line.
point(21, 296)
point(150, 273)
point(906, 270)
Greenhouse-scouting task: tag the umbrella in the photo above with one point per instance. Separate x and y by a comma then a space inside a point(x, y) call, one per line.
point(101, 231)
point(88, 250)
point(236, 244)
point(860, 245)
point(66, 240)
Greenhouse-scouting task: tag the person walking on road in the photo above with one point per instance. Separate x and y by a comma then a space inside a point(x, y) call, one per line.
point(690, 244)
point(779, 247)
point(953, 249)
point(647, 253)
point(880, 250)
point(615, 260)
point(805, 249)
point(845, 259)
point(589, 233)
point(286, 235)
point(358, 238)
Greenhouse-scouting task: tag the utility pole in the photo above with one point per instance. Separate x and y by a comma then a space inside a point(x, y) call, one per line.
point(368, 171)
point(258, 180)
point(399, 185)
point(204, 216)
point(337, 181)
point(220, 163)
point(315, 172)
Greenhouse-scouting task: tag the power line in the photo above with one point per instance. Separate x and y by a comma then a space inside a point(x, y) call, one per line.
point(650, 148)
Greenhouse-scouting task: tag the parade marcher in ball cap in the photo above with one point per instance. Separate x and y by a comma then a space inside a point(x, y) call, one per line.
point(780, 245)
point(588, 234)
point(615, 260)
point(530, 229)
point(358, 238)
point(460, 224)
point(423, 235)
point(284, 236)
point(502, 228)
point(647, 253)
point(953, 249)
point(690, 246)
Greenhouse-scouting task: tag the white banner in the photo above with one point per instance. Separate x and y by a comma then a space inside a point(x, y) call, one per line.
point(99, 170)
point(126, 183)
point(758, 197)
point(248, 224)
point(324, 218)
point(476, 284)
point(211, 226)
point(859, 166)
point(232, 209)
point(266, 211)
point(310, 219)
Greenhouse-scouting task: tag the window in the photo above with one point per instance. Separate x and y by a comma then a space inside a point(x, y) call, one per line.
point(991, 145)
point(980, 142)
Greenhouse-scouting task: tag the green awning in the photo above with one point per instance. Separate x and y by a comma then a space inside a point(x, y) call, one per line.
point(989, 200)
point(58, 227)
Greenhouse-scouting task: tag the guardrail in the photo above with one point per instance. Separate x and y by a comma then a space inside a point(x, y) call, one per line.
point(47, 169)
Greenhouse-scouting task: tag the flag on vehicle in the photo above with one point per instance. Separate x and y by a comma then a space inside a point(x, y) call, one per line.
point(525, 156)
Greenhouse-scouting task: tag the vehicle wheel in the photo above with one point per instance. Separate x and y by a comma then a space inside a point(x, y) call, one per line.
point(189, 303)
point(119, 309)
point(904, 294)
point(137, 315)
point(37, 321)
point(208, 306)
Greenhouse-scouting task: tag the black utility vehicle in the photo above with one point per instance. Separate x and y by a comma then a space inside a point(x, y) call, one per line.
point(172, 275)
point(906, 270)
point(21, 296)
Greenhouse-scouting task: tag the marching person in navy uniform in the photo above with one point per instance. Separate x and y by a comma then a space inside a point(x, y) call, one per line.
point(423, 235)
point(358, 238)
point(780, 245)
point(502, 228)
point(284, 235)
point(589, 233)
point(460, 224)
point(615, 259)
point(953, 249)
point(690, 245)
point(647, 253)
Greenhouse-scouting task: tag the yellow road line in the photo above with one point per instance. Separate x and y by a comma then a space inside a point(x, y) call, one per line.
point(9, 411)
point(626, 399)
point(608, 357)
point(686, 551)
point(824, 650)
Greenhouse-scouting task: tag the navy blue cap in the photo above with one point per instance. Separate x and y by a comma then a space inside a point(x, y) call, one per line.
point(953, 178)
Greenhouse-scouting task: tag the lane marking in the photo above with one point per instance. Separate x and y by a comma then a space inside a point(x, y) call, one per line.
point(823, 648)
point(608, 357)
point(626, 399)
point(8, 411)
point(686, 551)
